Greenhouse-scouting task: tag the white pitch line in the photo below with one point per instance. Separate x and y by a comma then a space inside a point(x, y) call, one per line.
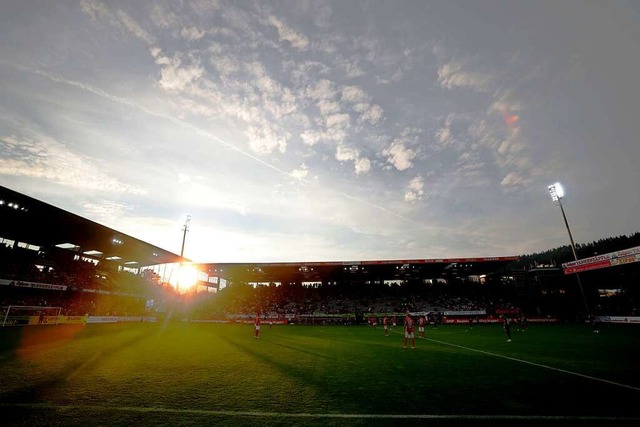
point(314, 415)
point(530, 363)
point(536, 364)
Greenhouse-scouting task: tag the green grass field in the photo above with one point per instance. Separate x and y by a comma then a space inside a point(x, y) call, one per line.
point(210, 374)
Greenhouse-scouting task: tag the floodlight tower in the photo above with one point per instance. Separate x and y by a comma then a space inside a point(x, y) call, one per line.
point(185, 228)
point(557, 193)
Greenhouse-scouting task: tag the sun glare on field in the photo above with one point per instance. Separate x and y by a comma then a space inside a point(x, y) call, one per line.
point(187, 278)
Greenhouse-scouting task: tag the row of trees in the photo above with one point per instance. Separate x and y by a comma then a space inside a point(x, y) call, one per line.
point(561, 254)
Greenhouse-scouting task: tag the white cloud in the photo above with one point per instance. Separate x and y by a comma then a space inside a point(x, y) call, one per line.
point(346, 153)
point(173, 75)
point(265, 140)
point(373, 114)
point(303, 73)
point(340, 120)
point(163, 18)
point(361, 107)
point(268, 85)
point(311, 138)
point(452, 75)
point(225, 65)
point(415, 189)
point(106, 212)
point(362, 165)
point(513, 179)
point(470, 170)
point(478, 129)
point(399, 156)
point(511, 144)
point(444, 135)
point(301, 172)
point(354, 94)
point(287, 33)
point(134, 28)
point(328, 107)
point(47, 159)
point(94, 8)
point(351, 67)
point(323, 89)
point(417, 184)
point(334, 134)
point(192, 33)
point(410, 196)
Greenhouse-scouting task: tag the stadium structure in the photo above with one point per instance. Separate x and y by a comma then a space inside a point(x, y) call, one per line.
point(32, 224)
point(185, 357)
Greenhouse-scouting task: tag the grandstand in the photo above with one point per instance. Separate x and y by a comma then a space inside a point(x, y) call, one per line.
point(51, 256)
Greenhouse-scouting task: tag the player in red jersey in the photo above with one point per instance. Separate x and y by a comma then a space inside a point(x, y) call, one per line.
point(385, 323)
point(408, 331)
point(256, 327)
point(394, 322)
point(421, 327)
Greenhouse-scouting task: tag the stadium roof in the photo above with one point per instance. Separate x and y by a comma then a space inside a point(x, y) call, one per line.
point(25, 219)
point(356, 270)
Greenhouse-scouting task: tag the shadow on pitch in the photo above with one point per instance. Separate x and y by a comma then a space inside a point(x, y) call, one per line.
point(36, 392)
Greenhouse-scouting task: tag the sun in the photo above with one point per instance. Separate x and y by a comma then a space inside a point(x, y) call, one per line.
point(187, 278)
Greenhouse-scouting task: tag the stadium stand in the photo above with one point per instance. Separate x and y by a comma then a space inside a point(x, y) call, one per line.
point(53, 258)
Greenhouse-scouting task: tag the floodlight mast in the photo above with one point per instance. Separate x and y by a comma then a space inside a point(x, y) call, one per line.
point(557, 193)
point(185, 228)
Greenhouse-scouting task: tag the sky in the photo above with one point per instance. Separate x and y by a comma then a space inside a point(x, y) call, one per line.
point(307, 130)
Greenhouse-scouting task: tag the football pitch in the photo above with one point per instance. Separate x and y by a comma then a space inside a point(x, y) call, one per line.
point(215, 374)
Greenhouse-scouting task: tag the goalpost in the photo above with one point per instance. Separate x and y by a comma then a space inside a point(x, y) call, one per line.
point(20, 314)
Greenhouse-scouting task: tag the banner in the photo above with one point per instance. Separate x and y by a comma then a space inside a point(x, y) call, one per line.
point(610, 259)
point(102, 319)
point(72, 319)
point(587, 267)
point(465, 312)
point(619, 319)
point(35, 285)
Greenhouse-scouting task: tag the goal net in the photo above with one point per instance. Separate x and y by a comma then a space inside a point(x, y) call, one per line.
point(17, 315)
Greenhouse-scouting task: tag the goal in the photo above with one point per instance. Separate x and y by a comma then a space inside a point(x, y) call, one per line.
point(16, 315)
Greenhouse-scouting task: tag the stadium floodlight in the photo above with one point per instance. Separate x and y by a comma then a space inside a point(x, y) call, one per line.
point(557, 191)
point(557, 194)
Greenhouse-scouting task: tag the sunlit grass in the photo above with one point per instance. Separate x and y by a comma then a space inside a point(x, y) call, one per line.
point(111, 374)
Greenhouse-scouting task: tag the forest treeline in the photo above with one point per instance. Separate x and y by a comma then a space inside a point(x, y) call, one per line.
point(559, 255)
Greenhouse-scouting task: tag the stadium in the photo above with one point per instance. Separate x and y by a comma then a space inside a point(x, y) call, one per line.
point(100, 328)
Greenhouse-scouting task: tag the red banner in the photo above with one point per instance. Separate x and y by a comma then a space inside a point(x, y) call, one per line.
point(587, 267)
point(610, 259)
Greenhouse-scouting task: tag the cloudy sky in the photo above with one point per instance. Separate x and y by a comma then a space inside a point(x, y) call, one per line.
point(320, 131)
